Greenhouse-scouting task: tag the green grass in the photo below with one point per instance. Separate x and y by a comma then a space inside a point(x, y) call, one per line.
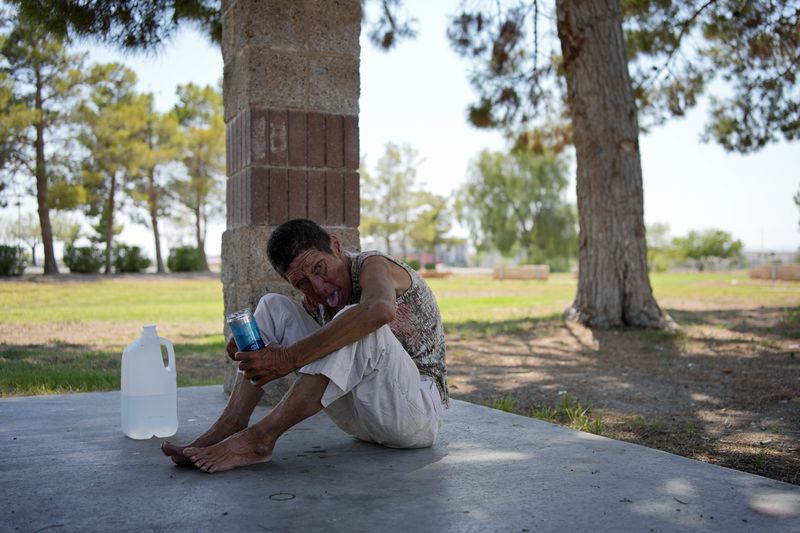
point(27, 370)
point(116, 300)
point(103, 313)
point(570, 412)
point(481, 305)
point(505, 404)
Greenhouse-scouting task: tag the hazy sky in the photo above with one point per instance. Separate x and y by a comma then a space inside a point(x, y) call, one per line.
point(417, 94)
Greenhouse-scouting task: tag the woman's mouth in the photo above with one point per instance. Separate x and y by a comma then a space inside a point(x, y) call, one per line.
point(333, 299)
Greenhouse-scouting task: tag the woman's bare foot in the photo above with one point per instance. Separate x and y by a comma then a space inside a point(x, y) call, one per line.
point(245, 448)
point(216, 433)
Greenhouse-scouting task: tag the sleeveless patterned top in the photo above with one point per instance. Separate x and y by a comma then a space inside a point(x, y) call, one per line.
point(417, 324)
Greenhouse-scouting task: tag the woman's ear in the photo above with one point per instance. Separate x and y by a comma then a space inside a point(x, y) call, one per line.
point(336, 246)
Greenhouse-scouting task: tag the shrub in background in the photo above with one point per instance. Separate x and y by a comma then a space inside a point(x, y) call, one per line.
point(12, 260)
point(185, 259)
point(413, 263)
point(130, 259)
point(83, 259)
point(430, 266)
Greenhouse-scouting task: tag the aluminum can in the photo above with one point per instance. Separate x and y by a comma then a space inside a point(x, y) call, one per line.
point(245, 331)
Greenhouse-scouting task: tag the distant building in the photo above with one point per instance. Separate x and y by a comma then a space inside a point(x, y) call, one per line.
point(754, 259)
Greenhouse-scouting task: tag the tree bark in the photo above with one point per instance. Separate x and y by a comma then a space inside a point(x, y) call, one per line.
point(201, 241)
point(613, 284)
point(110, 221)
point(50, 264)
point(152, 203)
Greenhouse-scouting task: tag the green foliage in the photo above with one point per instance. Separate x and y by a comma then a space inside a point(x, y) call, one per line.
point(389, 28)
point(390, 196)
point(133, 25)
point(185, 259)
point(676, 51)
point(66, 229)
point(83, 259)
point(200, 192)
point(703, 246)
point(414, 263)
point(26, 230)
point(432, 224)
point(41, 81)
point(130, 259)
point(149, 189)
point(661, 254)
point(114, 119)
point(515, 204)
point(12, 260)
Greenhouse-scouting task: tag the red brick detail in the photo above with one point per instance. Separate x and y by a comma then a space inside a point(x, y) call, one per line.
point(234, 200)
point(228, 145)
point(334, 141)
point(257, 196)
point(351, 144)
point(231, 139)
point(298, 193)
point(237, 144)
point(258, 132)
point(278, 138)
point(316, 196)
point(352, 200)
point(229, 203)
point(334, 198)
point(316, 140)
point(242, 196)
point(297, 139)
point(247, 140)
point(278, 196)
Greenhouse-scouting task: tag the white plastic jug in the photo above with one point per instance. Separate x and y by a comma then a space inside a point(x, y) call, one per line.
point(148, 389)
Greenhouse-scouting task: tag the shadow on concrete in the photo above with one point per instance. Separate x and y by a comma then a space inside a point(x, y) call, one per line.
point(725, 388)
point(66, 465)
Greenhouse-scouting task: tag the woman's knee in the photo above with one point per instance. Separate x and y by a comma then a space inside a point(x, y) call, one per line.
point(273, 300)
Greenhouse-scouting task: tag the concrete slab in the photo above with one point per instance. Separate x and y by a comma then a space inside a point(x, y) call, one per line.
point(66, 466)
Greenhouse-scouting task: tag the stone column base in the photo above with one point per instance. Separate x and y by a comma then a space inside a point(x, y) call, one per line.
point(247, 276)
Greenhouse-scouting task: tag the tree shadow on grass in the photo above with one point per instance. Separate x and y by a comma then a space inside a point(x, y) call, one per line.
point(48, 369)
point(723, 389)
point(483, 328)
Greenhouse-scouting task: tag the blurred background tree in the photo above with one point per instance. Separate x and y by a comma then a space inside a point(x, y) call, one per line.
point(515, 203)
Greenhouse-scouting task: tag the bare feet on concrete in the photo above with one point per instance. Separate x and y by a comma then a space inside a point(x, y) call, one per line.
point(245, 448)
point(216, 433)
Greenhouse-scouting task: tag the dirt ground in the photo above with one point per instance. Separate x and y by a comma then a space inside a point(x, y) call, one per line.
point(724, 388)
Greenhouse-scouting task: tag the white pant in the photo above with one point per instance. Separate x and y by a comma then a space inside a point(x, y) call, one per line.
point(375, 392)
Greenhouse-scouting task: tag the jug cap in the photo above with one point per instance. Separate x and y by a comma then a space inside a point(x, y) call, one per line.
point(149, 330)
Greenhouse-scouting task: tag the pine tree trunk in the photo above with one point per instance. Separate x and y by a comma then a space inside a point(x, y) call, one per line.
point(110, 221)
point(50, 264)
point(613, 284)
point(201, 242)
point(152, 203)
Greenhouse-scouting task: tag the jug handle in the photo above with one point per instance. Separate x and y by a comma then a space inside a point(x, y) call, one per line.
point(170, 353)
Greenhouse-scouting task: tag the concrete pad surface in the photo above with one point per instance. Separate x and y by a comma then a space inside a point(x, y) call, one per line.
point(66, 466)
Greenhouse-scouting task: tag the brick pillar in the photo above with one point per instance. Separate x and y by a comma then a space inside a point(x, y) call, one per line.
point(291, 88)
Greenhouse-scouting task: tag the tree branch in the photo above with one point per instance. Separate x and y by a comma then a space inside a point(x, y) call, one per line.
point(684, 29)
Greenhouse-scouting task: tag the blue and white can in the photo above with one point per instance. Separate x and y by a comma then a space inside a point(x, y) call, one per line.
point(245, 331)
